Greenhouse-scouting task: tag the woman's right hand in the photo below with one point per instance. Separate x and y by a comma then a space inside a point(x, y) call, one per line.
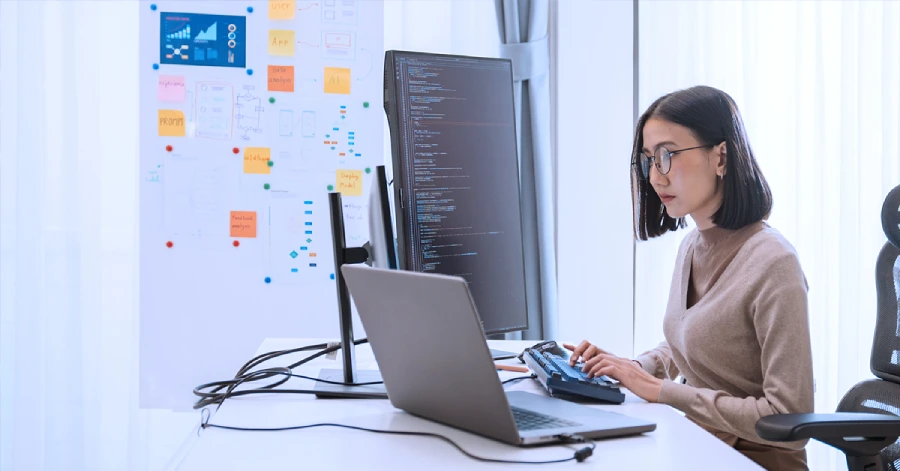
point(584, 351)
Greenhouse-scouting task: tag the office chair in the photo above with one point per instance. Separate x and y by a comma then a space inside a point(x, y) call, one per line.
point(867, 423)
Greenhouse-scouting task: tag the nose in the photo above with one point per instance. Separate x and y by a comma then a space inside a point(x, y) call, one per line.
point(656, 177)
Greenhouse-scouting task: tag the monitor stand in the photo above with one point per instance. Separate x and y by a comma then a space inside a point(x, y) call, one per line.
point(373, 391)
point(348, 374)
point(498, 354)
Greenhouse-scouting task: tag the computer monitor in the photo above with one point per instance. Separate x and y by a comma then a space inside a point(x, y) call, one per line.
point(456, 176)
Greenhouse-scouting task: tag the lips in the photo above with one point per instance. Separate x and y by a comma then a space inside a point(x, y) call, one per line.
point(666, 197)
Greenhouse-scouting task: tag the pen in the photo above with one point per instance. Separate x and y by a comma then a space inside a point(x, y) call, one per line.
point(517, 369)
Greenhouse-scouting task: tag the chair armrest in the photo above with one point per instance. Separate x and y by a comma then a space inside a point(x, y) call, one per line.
point(791, 427)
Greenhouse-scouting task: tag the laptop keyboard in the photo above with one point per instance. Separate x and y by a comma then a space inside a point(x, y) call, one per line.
point(528, 420)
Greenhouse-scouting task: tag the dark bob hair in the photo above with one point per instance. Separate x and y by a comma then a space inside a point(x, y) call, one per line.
point(712, 117)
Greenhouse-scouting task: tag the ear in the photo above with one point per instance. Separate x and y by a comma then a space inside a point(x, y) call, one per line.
point(720, 151)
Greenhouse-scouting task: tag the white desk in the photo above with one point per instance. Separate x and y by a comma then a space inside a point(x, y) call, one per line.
point(676, 444)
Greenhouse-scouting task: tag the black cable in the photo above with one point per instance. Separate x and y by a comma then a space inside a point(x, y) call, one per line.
point(517, 378)
point(580, 455)
point(214, 396)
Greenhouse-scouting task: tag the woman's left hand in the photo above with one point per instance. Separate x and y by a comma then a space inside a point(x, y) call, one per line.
point(628, 373)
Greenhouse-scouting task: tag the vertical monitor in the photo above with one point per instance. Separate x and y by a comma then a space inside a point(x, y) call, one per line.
point(456, 177)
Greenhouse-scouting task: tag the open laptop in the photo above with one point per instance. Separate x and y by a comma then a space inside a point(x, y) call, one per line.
point(430, 347)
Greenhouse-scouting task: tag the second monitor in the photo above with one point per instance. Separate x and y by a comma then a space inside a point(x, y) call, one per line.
point(456, 177)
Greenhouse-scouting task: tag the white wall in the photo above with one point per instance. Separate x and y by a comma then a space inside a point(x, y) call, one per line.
point(595, 64)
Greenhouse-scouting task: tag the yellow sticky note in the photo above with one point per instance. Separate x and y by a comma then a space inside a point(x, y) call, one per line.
point(337, 80)
point(349, 182)
point(171, 123)
point(282, 9)
point(243, 224)
point(281, 42)
point(256, 160)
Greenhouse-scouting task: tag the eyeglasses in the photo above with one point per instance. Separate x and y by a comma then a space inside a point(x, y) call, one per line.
point(662, 159)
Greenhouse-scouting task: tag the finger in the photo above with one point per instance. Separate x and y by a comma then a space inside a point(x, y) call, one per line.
point(569, 347)
point(601, 369)
point(593, 362)
point(576, 354)
point(591, 352)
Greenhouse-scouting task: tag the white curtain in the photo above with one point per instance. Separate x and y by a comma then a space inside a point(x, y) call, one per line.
point(68, 227)
point(818, 85)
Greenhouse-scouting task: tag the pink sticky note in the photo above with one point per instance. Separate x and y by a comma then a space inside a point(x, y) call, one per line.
point(171, 88)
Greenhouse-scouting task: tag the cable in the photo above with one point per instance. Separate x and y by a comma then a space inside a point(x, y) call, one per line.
point(215, 397)
point(579, 456)
point(517, 378)
point(209, 398)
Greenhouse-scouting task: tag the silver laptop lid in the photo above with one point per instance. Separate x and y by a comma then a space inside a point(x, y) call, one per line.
point(431, 350)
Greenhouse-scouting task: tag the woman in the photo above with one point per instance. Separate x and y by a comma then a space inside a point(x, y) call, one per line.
point(736, 327)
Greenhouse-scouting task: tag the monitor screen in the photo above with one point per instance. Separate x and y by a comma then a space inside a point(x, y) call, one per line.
point(454, 149)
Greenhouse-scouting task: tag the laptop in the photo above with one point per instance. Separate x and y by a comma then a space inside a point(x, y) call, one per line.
point(428, 341)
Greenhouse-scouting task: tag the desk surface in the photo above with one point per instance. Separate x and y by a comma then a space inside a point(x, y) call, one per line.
point(677, 443)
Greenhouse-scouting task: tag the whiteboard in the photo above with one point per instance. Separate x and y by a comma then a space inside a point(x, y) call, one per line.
point(251, 112)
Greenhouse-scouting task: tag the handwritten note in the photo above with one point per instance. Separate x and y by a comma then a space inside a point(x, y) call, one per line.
point(349, 182)
point(282, 9)
point(243, 224)
point(171, 88)
point(337, 80)
point(281, 78)
point(256, 160)
point(281, 42)
point(171, 123)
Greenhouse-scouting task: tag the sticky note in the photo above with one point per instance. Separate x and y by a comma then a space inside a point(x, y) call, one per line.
point(256, 160)
point(171, 123)
point(243, 224)
point(281, 78)
point(349, 182)
point(281, 42)
point(337, 80)
point(282, 9)
point(171, 88)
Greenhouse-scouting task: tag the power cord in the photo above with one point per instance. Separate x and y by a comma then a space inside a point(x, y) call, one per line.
point(579, 456)
point(211, 393)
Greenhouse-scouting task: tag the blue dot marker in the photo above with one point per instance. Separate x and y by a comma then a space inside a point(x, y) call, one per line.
point(331, 276)
point(155, 66)
point(268, 280)
point(249, 9)
point(249, 71)
point(153, 6)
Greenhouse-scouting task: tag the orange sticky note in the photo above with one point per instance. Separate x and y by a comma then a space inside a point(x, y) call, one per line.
point(243, 224)
point(282, 9)
point(256, 160)
point(281, 78)
point(171, 123)
point(281, 42)
point(349, 182)
point(337, 80)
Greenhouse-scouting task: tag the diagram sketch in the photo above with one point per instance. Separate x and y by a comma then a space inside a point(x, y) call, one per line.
point(249, 113)
point(215, 110)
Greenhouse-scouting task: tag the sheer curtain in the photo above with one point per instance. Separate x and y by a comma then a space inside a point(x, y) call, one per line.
point(68, 227)
point(818, 85)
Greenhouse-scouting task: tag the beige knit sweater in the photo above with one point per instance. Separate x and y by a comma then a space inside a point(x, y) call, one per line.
point(736, 329)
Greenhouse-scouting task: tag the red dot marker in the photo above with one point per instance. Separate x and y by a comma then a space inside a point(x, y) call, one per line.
point(236, 243)
point(168, 148)
point(169, 244)
point(236, 150)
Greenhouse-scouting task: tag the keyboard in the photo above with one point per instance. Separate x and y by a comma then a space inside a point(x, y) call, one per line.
point(562, 380)
point(528, 420)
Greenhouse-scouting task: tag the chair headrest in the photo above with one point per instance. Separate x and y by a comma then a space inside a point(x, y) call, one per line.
point(890, 216)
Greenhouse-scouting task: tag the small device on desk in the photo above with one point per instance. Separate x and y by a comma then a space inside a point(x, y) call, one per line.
point(550, 363)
